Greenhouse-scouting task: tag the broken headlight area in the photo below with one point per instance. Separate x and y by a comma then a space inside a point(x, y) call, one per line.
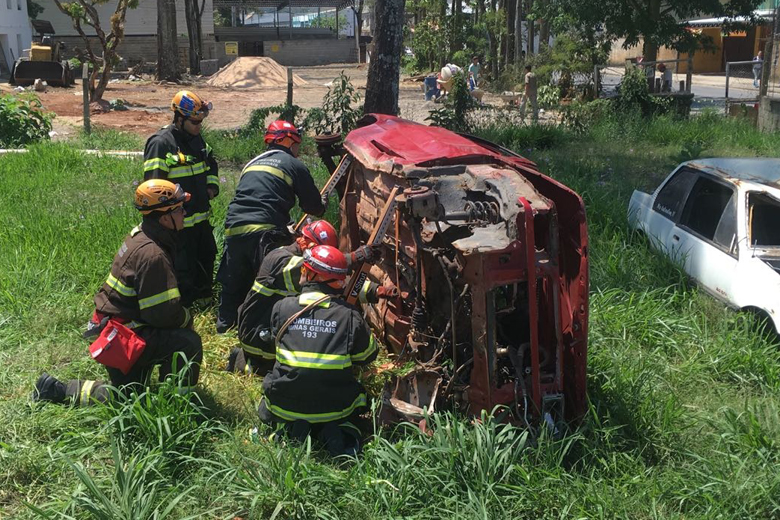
point(490, 259)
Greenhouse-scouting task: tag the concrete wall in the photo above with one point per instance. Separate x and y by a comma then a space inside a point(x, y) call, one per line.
point(769, 114)
point(141, 21)
point(15, 30)
point(300, 53)
point(135, 49)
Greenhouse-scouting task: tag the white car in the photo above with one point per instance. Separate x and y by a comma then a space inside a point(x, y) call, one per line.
point(720, 218)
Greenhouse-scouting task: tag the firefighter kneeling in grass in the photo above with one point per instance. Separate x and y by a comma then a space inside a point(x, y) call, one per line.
point(278, 277)
point(319, 338)
point(139, 321)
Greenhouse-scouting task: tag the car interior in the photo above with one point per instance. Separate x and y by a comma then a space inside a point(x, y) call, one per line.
point(763, 219)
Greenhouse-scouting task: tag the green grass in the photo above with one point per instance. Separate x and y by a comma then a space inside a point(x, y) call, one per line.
point(685, 395)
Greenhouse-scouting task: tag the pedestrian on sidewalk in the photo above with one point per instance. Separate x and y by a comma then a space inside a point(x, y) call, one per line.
point(758, 63)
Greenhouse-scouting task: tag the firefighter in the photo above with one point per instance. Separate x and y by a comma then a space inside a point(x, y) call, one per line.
point(259, 213)
point(141, 293)
point(319, 337)
point(279, 276)
point(178, 153)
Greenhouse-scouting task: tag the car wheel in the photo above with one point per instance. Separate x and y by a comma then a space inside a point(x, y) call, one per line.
point(763, 322)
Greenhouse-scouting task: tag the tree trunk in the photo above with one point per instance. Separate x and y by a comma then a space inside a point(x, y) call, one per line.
point(650, 49)
point(544, 31)
point(457, 12)
point(510, 32)
point(385, 69)
point(493, 43)
point(531, 36)
point(358, 10)
point(194, 34)
point(518, 32)
point(167, 51)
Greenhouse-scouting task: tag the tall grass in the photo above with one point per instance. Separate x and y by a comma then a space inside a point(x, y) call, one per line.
point(684, 416)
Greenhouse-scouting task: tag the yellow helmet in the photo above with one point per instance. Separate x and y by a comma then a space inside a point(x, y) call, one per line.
point(190, 105)
point(159, 195)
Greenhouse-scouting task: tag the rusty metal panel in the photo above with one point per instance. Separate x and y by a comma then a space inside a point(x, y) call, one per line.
point(490, 260)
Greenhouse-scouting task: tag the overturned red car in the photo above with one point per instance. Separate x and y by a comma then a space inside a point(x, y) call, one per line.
point(490, 258)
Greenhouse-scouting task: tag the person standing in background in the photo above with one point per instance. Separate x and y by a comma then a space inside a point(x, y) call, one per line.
point(529, 95)
point(758, 63)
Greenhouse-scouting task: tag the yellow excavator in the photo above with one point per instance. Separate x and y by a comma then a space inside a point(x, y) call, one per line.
point(44, 60)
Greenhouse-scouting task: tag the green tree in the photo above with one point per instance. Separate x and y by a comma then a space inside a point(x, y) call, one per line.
point(655, 23)
point(84, 13)
point(33, 9)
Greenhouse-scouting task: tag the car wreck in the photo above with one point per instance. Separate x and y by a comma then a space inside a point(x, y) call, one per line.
point(490, 258)
point(720, 219)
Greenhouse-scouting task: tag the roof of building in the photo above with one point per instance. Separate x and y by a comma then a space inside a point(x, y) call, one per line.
point(761, 170)
point(278, 5)
point(764, 14)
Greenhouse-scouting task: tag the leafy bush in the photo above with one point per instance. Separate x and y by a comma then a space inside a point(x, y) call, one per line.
point(338, 113)
point(580, 116)
point(458, 102)
point(75, 66)
point(22, 120)
point(635, 96)
point(549, 97)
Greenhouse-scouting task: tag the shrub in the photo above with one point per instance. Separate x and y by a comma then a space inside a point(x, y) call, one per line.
point(453, 115)
point(338, 113)
point(549, 97)
point(634, 95)
point(22, 120)
point(580, 116)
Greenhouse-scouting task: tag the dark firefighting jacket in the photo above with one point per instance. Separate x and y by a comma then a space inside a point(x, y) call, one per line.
point(312, 378)
point(266, 193)
point(279, 276)
point(186, 160)
point(141, 287)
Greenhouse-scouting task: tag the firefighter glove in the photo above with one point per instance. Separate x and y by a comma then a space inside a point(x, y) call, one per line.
point(365, 254)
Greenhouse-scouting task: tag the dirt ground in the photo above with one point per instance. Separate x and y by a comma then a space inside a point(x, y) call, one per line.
point(149, 101)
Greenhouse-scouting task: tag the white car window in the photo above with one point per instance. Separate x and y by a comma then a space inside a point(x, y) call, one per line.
point(705, 207)
point(726, 233)
point(670, 199)
point(763, 220)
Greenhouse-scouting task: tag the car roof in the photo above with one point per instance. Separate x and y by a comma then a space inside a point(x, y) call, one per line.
point(761, 171)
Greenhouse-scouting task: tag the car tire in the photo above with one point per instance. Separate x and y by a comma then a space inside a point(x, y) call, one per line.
point(763, 322)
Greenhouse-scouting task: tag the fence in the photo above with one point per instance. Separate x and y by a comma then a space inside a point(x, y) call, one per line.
point(742, 82)
point(670, 77)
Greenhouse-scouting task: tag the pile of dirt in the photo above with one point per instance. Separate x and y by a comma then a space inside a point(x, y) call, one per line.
point(251, 72)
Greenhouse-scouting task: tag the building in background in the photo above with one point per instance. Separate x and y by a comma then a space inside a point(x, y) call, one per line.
point(140, 41)
point(15, 33)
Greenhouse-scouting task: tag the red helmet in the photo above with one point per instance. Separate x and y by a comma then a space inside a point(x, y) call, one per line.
point(278, 130)
point(320, 232)
point(326, 261)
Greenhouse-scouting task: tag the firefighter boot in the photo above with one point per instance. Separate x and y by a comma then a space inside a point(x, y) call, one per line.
point(236, 360)
point(48, 388)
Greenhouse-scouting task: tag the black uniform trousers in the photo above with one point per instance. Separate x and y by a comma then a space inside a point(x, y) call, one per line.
point(340, 437)
point(164, 347)
point(241, 259)
point(194, 262)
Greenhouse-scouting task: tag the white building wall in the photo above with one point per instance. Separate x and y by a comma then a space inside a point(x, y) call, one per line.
point(15, 29)
point(141, 21)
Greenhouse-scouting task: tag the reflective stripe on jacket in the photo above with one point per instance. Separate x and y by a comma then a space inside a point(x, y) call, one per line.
point(141, 286)
point(312, 379)
point(266, 193)
point(279, 276)
point(186, 160)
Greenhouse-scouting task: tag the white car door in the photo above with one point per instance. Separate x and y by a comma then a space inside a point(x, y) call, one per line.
point(667, 207)
point(705, 237)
